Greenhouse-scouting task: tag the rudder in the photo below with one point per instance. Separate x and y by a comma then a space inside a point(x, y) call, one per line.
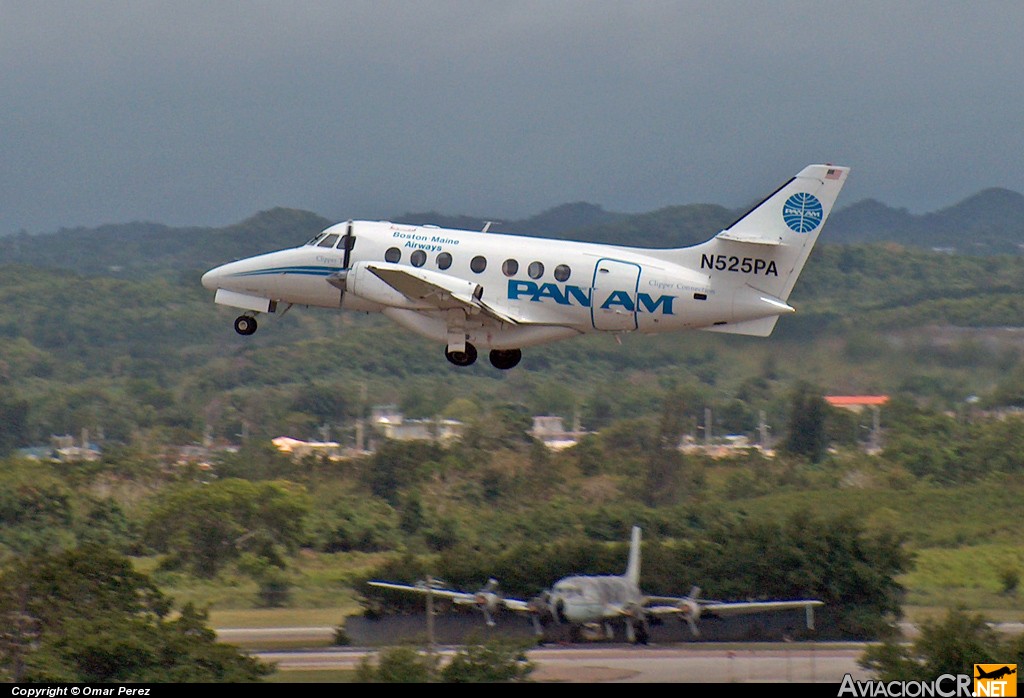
point(784, 226)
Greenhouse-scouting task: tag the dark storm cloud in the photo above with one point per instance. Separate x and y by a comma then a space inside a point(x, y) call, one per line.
point(203, 113)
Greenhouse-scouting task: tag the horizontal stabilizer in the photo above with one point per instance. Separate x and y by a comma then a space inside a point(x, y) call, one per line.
point(762, 327)
point(736, 237)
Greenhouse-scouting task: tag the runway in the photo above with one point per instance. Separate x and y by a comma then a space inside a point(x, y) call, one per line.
point(763, 663)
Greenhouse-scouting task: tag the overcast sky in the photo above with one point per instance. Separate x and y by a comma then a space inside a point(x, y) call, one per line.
point(203, 113)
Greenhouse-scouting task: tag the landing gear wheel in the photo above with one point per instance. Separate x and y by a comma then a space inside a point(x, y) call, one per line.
point(506, 358)
point(462, 358)
point(245, 325)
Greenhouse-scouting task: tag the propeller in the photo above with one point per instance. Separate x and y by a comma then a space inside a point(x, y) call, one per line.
point(636, 623)
point(691, 610)
point(488, 600)
point(339, 279)
point(540, 611)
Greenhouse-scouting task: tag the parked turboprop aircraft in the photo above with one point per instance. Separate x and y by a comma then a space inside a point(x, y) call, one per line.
point(587, 601)
point(474, 290)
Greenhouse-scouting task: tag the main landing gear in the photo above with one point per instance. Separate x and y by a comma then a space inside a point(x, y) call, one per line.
point(461, 358)
point(506, 358)
point(503, 359)
point(245, 325)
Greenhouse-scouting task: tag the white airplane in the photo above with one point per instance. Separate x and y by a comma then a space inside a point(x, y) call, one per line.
point(587, 602)
point(474, 290)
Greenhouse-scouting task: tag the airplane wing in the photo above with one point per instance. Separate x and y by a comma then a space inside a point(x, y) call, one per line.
point(673, 605)
point(459, 597)
point(519, 606)
point(438, 290)
point(718, 608)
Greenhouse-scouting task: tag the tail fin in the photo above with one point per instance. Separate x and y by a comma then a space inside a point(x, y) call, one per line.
point(633, 566)
point(769, 244)
point(784, 227)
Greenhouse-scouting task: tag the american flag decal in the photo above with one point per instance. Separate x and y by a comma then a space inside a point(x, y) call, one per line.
point(833, 174)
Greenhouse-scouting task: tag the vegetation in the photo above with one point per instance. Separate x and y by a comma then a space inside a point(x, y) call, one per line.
point(136, 359)
point(951, 646)
point(491, 662)
point(85, 615)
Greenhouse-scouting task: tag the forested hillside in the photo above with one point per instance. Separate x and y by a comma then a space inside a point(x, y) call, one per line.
point(120, 340)
point(990, 222)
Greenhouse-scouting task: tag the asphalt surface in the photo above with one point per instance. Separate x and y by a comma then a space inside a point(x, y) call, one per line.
point(801, 663)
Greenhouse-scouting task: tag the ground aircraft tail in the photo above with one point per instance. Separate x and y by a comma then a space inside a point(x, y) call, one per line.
point(633, 567)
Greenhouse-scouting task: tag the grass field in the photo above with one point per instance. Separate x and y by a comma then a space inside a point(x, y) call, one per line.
point(965, 540)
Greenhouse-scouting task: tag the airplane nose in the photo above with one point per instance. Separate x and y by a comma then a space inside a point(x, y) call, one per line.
point(210, 279)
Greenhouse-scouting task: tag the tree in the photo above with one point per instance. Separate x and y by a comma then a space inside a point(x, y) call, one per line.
point(13, 421)
point(398, 665)
point(491, 662)
point(84, 615)
point(665, 463)
point(207, 526)
point(951, 646)
point(806, 434)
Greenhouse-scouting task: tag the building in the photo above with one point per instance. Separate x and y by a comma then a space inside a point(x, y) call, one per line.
point(859, 403)
point(551, 431)
point(298, 449)
point(393, 425)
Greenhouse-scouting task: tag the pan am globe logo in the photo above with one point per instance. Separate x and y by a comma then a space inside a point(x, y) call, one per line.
point(802, 212)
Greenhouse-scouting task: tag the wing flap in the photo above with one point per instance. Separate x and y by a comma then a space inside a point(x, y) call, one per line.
point(443, 292)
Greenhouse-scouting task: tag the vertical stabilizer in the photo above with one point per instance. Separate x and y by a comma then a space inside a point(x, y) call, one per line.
point(783, 228)
point(633, 567)
point(770, 243)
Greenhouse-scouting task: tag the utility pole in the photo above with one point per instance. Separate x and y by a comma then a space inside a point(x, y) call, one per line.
point(430, 616)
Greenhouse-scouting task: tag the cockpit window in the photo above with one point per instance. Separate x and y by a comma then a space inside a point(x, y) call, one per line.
point(316, 239)
point(329, 240)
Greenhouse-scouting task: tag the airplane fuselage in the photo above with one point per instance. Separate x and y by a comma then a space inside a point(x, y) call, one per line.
point(594, 599)
point(505, 292)
point(564, 288)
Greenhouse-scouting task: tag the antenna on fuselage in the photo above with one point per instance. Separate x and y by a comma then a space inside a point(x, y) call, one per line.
point(487, 226)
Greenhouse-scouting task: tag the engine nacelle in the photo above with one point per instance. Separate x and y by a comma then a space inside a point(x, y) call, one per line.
point(361, 281)
point(690, 610)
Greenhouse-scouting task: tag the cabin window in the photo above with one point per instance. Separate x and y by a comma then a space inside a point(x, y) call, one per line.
point(444, 260)
point(418, 258)
point(535, 270)
point(478, 264)
point(329, 241)
point(393, 255)
point(562, 272)
point(509, 267)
